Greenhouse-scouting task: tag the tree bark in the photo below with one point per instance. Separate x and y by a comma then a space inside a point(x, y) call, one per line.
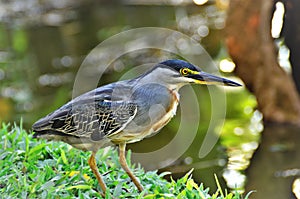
point(291, 34)
point(251, 47)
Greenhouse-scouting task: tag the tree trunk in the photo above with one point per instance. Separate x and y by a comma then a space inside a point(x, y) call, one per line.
point(250, 44)
point(291, 34)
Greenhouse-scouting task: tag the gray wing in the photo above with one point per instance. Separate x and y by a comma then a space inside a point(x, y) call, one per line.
point(94, 114)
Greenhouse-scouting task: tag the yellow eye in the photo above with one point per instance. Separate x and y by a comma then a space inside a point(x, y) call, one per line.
point(184, 71)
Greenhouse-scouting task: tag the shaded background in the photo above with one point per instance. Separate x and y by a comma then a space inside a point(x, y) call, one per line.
point(43, 43)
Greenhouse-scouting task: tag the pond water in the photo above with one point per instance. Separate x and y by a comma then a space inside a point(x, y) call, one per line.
point(42, 47)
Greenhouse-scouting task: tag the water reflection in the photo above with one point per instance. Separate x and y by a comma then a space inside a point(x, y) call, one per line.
point(243, 144)
point(275, 166)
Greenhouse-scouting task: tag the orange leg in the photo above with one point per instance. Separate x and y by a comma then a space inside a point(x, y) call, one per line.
point(93, 165)
point(124, 165)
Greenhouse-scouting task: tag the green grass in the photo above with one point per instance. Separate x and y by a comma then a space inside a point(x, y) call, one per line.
point(32, 168)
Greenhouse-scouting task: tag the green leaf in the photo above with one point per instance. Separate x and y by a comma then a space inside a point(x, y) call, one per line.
point(187, 175)
point(219, 186)
point(80, 186)
point(36, 149)
point(248, 194)
point(63, 157)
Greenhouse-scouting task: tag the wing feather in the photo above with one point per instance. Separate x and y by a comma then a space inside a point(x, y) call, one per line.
point(94, 114)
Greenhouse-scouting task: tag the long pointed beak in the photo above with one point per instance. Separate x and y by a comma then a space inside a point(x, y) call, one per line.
point(206, 78)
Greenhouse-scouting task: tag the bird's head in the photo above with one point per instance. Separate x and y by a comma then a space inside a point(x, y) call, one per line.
point(179, 73)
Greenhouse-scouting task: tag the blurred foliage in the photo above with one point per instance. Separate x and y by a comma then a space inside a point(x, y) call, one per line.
point(42, 44)
point(243, 122)
point(20, 41)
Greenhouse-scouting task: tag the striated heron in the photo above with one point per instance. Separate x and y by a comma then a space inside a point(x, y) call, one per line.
point(123, 112)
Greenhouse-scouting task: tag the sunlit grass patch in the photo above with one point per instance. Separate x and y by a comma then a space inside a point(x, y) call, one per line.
point(31, 168)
